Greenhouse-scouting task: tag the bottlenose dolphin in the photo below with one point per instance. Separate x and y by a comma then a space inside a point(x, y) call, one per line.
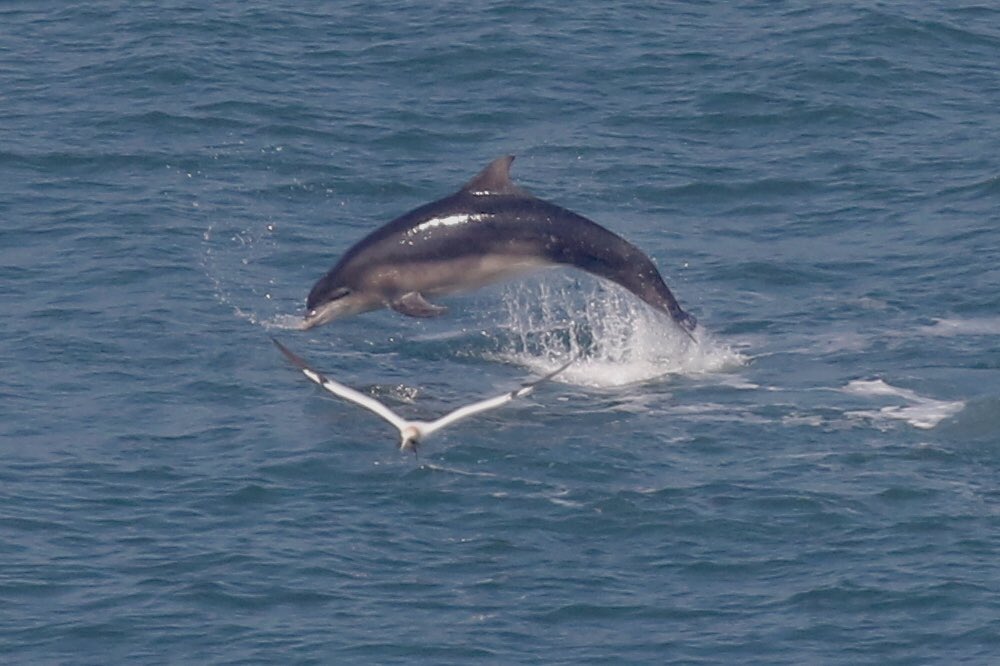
point(489, 230)
point(411, 433)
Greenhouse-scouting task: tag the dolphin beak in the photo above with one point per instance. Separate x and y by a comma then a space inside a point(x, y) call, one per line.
point(342, 303)
point(310, 320)
point(321, 314)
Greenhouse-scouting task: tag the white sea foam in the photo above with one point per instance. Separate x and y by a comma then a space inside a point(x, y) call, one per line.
point(917, 410)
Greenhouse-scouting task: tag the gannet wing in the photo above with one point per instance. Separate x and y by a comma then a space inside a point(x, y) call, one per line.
point(490, 403)
point(341, 391)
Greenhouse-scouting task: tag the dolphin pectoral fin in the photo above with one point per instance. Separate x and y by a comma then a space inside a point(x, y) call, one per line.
point(413, 304)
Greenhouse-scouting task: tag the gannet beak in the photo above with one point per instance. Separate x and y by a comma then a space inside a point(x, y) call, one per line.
point(408, 444)
point(410, 437)
point(409, 441)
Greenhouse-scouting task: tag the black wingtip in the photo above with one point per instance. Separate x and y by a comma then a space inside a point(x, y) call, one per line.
point(560, 369)
point(296, 360)
point(527, 388)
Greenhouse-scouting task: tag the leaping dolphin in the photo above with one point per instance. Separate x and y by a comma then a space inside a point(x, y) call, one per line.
point(489, 230)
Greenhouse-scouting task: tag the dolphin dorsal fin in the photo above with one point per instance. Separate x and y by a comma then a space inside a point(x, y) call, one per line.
point(494, 179)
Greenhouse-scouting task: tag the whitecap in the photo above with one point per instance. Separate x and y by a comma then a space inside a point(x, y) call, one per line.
point(919, 411)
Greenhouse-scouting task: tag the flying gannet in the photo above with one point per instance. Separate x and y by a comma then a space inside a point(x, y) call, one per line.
point(411, 433)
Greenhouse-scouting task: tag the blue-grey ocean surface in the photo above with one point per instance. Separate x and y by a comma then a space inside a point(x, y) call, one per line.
point(817, 480)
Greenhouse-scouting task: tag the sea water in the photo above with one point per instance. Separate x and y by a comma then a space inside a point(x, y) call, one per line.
point(812, 480)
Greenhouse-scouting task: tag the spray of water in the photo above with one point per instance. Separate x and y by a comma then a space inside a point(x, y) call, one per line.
point(618, 339)
point(232, 261)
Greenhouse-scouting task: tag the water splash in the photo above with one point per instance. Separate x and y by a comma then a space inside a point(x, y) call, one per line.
point(618, 339)
point(232, 261)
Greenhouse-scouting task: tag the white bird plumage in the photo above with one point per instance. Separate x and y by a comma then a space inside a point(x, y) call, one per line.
point(411, 433)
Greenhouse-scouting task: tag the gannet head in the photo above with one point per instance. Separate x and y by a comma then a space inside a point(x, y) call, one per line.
point(410, 438)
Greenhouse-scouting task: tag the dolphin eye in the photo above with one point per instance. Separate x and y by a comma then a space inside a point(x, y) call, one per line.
point(339, 293)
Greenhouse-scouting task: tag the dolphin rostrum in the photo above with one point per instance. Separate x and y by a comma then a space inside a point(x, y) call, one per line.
point(489, 230)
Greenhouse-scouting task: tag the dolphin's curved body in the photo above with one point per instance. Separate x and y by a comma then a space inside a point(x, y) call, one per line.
point(489, 230)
